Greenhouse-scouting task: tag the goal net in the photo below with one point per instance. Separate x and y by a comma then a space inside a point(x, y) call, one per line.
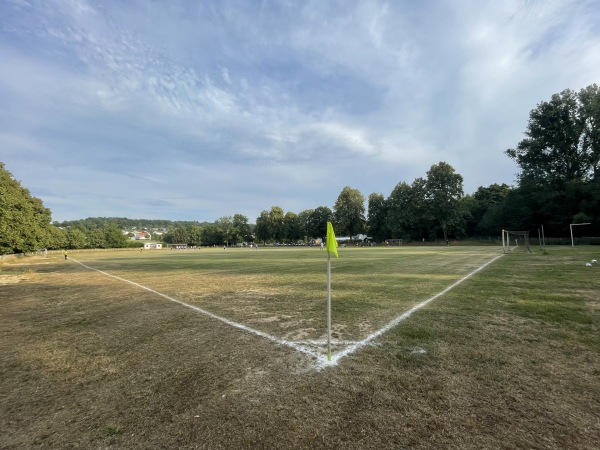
point(396, 242)
point(515, 240)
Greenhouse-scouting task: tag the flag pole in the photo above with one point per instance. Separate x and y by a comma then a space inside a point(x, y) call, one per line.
point(328, 307)
point(331, 248)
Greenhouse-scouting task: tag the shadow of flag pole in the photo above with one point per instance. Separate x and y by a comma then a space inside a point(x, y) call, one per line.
point(331, 248)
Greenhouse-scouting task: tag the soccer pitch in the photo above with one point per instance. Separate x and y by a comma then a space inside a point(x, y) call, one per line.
point(198, 349)
point(280, 293)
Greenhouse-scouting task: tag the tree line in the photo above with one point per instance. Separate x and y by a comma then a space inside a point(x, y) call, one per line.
point(558, 185)
point(93, 223)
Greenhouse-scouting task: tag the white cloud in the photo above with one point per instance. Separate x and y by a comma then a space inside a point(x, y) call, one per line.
point(213, 108)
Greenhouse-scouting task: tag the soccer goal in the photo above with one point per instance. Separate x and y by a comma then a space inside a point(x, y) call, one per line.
point(515, 240)
point(395, 242)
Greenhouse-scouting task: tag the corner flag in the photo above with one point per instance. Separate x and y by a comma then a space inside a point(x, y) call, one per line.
point(331, 248)
point(331, 242)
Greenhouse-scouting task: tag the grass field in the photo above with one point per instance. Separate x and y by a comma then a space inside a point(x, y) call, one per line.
point(97, 353)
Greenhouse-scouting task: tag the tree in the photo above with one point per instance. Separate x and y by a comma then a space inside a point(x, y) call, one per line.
point(317, 223)
point(420, 218)
point(562, 139)
point(560, 165)
point(24, 221)
point(194, 235)
point(292, 227)
point(467, 204)
point(76, 238)
point(212, 234)
point(399, 211)
point(57, 238)
point(349, 212)
point(304, 219)
point(114, 237)
point(177, 235)
point(96, 239)
point(483, 200)
point(589, 99)
point(262, 230)
point(443, 191)
point(241, 229)
point(516, 212)
point(377, 210)
point(276, 218)
point(408, 214)
point(225, 224)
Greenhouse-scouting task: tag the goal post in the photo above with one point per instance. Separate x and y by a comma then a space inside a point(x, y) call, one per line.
point(514, 240)
point(571, 227)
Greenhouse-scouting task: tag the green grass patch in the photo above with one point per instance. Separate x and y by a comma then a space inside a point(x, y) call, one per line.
point(284, 291)
point(506, 359)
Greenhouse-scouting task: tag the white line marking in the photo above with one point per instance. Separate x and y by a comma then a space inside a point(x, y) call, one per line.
point(335, 358)
point(321, 359)
point(277, 340)
point(324, 342)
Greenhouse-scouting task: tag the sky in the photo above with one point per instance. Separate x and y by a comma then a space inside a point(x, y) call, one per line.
point(201, 109)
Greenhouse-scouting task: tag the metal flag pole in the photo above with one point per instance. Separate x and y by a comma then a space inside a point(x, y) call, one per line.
point(328, 306)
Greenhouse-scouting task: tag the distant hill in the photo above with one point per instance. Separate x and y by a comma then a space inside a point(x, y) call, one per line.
point(94, 223)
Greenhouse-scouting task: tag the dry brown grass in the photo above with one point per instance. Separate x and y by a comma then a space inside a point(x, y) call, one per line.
point(90, 362)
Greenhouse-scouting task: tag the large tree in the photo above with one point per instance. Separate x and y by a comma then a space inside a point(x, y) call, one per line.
point(399, 211)
point(304, 219)
point(76, 238)
point(188, 233)
point(194, 234)
point(559, 158)
point(443, 191)
point(317, 221)
point(263, 230)
point(114, 237)
point(225, 224)
point(408, 213)
point(292, 227)
point(241, 229)
point(212, 234)
point(562, 140)
point(377, 210)
point(484, 200)
point(96, 239)
point(589, 99)
point(349, 212)
point(276, 223)
point(24, 221)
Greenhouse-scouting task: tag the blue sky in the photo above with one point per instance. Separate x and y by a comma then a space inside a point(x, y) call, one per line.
point(195, 110)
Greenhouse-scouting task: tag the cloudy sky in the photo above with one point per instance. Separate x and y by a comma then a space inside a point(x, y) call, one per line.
point(199, 109)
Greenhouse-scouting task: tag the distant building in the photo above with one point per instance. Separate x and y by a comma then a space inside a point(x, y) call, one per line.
point(152, 245)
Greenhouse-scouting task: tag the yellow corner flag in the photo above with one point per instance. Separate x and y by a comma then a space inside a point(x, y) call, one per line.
point(331, 242)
